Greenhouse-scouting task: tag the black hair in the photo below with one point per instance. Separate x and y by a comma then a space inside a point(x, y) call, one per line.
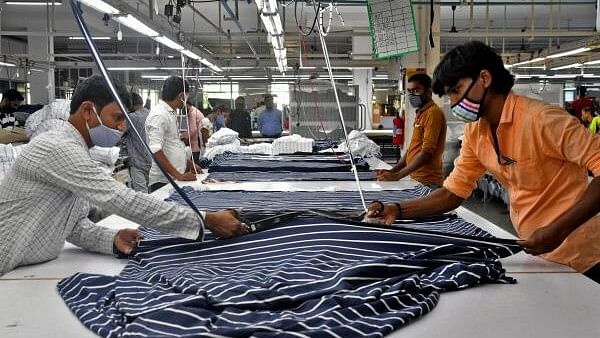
point(467, 61)
point(268, 96)
point(172, 87)
point(136, 100)
point(581, 91)
point(95, 89)
point(12, 95)
point(423, 79)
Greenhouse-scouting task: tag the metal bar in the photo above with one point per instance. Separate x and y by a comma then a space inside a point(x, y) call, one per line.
point(239, 26)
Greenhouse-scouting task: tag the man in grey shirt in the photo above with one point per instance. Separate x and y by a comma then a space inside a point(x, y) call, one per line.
point(46, 194)
point(140, 159)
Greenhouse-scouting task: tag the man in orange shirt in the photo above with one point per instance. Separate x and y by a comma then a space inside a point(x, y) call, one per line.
point(423, 160)
point(539, 152)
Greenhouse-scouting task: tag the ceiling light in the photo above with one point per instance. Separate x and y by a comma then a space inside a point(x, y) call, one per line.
point(7, 64)
point(532, 67)
point(100, 6)
point(190, 54)
point(93, 38)
point(526, 62)
point(168, 42)
point(573, 65)
point(135, 24)
point(595, 62)
point(571, 52)
point(132, 68)
point(32, 3)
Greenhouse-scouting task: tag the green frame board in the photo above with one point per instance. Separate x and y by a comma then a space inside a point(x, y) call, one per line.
point(376, 53)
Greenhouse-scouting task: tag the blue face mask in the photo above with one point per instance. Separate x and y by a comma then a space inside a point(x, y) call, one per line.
point(467, 110)
point(103, 136)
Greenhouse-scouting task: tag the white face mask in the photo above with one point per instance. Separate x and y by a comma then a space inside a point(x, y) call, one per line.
point(467, 110)
point(103, 136)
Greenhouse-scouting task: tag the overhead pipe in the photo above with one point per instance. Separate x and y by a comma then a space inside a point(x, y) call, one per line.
point(239, 26)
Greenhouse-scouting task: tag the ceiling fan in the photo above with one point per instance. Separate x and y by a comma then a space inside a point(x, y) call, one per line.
point(453, 29)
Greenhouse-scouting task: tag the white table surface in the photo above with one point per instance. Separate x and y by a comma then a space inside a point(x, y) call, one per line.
point(550, 300)
point(553, 305)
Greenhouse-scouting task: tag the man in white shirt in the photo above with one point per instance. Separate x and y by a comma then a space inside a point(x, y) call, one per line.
point(163, 137)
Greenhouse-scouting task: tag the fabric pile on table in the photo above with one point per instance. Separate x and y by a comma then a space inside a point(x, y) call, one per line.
point(309, 277)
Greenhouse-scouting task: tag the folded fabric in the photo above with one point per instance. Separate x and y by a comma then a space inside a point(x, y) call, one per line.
point(286, 176)
point(309, 277)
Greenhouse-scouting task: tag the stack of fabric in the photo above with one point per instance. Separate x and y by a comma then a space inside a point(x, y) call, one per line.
point(224, 140)
point(360, 145)
point(8, 155)
point(292, 144)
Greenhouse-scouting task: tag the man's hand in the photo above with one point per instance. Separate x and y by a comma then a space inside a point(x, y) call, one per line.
point(126, 240)
point(188, 176)
point(381, 213)
point(543, 240)
point(388, 175)
point(225, 224)
point(192, 166)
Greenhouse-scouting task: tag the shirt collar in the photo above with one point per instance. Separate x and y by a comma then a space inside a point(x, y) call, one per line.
point(425, 107)
point(509, 108)
point(166, 106)
point(72, 131)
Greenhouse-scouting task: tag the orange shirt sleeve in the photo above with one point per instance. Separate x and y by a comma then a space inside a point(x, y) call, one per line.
point(432, 128)
point(467, 169)
point(562, 136)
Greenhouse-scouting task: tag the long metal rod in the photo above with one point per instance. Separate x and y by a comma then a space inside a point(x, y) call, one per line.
point(77, 12)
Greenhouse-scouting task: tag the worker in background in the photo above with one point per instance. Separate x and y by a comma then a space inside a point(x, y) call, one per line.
point(239, 119)
point(590, 119)
point(423, 160)
point(11, 100)
point(582, 101)
point(46, 196)
point(194, 117)
point(140, 161)
point(269, 120)
point(162, 133)
point(537, 151)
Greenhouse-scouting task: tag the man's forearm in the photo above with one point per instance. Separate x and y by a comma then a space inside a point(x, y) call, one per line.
point(584, 209)
point(420, 160)
point(165, 163)
point(438, 202)
point(401, 164)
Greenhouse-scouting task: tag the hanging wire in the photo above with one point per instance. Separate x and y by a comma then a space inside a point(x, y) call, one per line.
point(337, 100)
point(316, 7)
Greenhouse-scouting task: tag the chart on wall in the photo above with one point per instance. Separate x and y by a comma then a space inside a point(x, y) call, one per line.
point(392, 26)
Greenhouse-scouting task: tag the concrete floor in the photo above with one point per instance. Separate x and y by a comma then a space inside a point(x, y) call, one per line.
point(494, 210)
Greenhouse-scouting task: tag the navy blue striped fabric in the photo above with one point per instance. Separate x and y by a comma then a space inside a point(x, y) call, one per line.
point(264, 204)
point(291, 163)
point(283, 176)
point(310, 277)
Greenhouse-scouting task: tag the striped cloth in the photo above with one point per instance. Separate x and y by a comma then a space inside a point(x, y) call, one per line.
point(310, 277)
point(291, 163)
point(254, 202)
point(283, 176)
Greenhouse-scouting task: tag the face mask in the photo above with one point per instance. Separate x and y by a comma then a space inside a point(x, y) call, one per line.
point(103, 136)
point(467, 110)
point(416, 101)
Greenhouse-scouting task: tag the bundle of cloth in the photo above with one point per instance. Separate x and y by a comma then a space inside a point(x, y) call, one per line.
point(292, 144)
point(221, 141)
point(8, 155)
point(360, 145)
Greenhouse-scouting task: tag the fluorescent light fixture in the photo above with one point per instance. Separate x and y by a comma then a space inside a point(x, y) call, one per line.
point(155, 77)
point(168, 42)
point(190, 54)
point(100, 6)
point(93, 38)
point(532, 67)
point(569, 88)
point(280, 53)
point(32, 3)
point(277, 42)
point(135, 24)
point(570, 52)
point(7, 64)
point(528, 61)
point(573, 65)
point(132, 68)
point(267, 6)
point(595, 62)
